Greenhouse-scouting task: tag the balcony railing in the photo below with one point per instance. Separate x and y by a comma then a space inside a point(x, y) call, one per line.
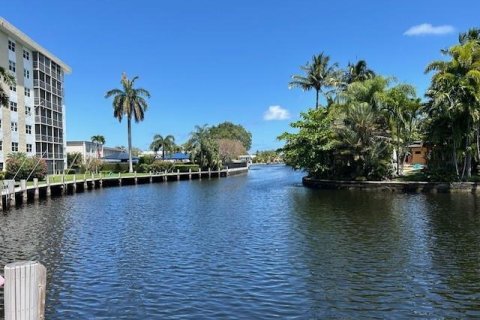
point(43, 120)
point(43, 138)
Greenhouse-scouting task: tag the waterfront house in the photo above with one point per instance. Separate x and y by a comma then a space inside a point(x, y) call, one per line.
point(90, 150)
point(418, 153)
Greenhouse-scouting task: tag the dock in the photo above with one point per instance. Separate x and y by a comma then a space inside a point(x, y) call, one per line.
point(61, 185)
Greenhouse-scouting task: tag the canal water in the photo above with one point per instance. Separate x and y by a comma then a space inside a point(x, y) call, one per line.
point(252, 246)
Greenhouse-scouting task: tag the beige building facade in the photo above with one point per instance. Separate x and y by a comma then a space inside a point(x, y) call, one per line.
point(34, 120)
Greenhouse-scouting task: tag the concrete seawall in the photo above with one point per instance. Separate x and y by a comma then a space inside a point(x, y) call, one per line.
point(12, 196)
point(393, 186)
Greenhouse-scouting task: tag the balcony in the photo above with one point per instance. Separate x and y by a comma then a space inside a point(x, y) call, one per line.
point(43, 138)
point(43, 120)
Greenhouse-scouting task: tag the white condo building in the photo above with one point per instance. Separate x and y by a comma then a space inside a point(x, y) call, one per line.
point(34, 121)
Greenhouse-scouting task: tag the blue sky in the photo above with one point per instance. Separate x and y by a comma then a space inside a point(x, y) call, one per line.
point(205, 62)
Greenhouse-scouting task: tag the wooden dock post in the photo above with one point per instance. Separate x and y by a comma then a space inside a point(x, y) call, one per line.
point(64, 185)
point(11, 192)
point(190, 174)
point(49, 190)
point(226, 173)
point(36, 194)
point(209, 173)
point(1, 194)
point(199, 174)
point(100, 182)
point(151, 177)
point(219, 171)
point(25, 290)
point(23, 187)
point(135, 175)
point(178, 174)
point(74, 189)
point(119, 179)
point(165, 176)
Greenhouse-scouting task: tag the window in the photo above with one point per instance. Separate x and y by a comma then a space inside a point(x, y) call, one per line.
point(418, 152)
point(14, 146)
point(11, 45)
point(28, 129)
point(28, 111)
point(26, 55)
point(27, 92)
point(1, 145)
point(29, 147)
point(13, 106)
point(11, 65)
point(26, 73)
point(13, 88)
point(14, 126)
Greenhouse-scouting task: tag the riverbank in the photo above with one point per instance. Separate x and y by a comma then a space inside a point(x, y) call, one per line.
point(393, 186)
point(12, 196)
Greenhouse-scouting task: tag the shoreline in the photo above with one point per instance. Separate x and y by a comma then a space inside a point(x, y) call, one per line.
point(12, 197)
point(393, 186)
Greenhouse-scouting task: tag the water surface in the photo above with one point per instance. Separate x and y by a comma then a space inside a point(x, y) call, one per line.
point(252, 246)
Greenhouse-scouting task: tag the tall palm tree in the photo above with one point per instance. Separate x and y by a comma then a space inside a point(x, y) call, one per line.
point(129, 102)
point(319, 75)
point(9, 80)
point(165, 143)
point(358, 72)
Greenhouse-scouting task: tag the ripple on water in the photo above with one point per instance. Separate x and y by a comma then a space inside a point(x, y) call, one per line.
point(256, 246)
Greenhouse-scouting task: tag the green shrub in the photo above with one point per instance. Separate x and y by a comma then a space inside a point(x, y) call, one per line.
point(147, 159)
point(160, 166)
point(20, 166)
point(142, 168)
point(185, 167)
point(2, 175)
point(121, 167)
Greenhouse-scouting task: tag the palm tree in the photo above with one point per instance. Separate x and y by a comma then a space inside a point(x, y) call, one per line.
point(358, 72)
point(9, 80)
point(471, 35)
point(401, 107)
point(165, 143)
point(129, 102)
point(96, 140)
point(319, 75)
point(455, 90)
point(203, 148)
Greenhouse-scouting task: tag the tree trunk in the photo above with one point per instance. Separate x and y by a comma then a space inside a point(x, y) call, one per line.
point(398, 150)
point(478, 142)
point(316, 102)
point(130, 163)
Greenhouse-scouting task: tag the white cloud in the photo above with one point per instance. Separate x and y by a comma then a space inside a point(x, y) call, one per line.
point(427, 29)
point(276, 113)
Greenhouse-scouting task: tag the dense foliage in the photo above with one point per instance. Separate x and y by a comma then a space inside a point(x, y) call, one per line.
point(228, 130)
point(214, 147)
point(267, 156)
point(19, 166)
point(354, 136)
point(369, 121)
